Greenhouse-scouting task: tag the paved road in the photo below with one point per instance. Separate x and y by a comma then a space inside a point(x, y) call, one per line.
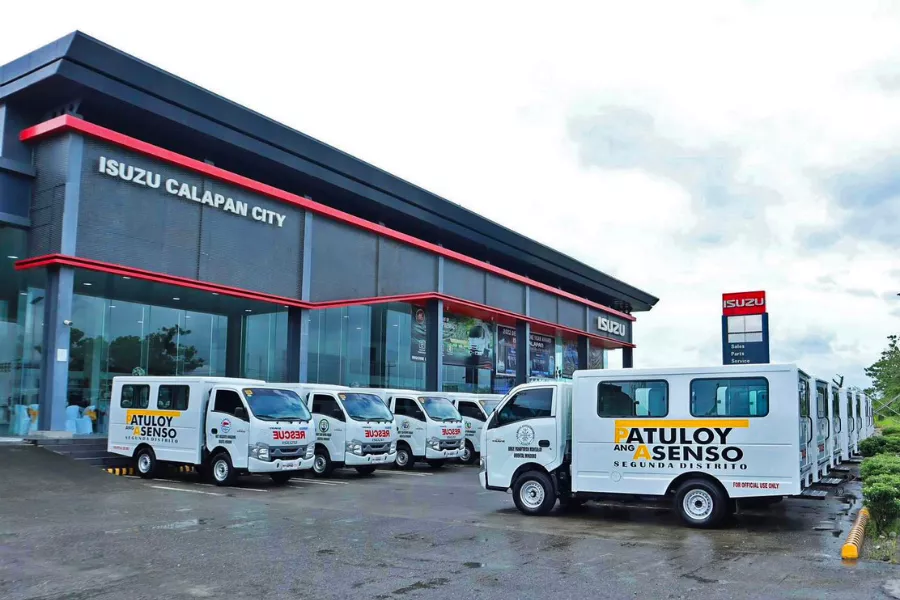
point(71, 531)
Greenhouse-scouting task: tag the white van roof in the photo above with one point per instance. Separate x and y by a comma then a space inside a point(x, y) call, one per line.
point(709, 370)
point(186, 379)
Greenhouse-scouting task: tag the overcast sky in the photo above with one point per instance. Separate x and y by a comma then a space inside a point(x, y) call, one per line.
point(687, 148)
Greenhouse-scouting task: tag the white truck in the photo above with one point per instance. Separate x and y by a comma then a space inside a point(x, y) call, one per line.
point(353, 428)
point(475, 410)
point(701, 437)
point(428, 425)
point(223, 426)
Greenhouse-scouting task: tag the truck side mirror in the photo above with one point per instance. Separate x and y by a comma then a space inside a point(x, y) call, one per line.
point(240, 413)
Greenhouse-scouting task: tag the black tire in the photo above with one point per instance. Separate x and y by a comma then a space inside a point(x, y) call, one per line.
point(469, 456)
point(322, 465)
point(282, 477)
point(222, 470)
point(533, 493)
point(405, 459)
point(436, 463)
point(570, 503)
point(365, 470)
point(701, 503)
point(145, 463)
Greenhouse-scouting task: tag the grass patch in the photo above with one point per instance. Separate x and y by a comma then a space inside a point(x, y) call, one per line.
point(881, 546)
point(887, 422)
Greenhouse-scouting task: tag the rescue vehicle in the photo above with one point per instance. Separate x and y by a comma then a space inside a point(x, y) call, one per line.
point(353, 428)
point(429, 428)
point(475, 410)
point(703, 438)
point(223, 426)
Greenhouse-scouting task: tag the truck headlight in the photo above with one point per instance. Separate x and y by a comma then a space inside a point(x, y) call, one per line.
point(260, 451)
point(310, 452)
point(354, 447)
point(393, 448)
point(434, 443)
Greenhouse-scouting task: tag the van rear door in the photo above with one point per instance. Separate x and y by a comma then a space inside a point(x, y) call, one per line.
point(807, 443)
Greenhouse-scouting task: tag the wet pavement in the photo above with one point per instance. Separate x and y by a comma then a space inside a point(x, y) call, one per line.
point(72, 531)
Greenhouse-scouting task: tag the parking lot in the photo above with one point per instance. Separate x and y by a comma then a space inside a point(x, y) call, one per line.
point(72, 531)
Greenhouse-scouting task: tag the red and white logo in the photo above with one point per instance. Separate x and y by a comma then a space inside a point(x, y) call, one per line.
point(378, 433)
point(288, 435)
point(451, 432)
point(743, 303)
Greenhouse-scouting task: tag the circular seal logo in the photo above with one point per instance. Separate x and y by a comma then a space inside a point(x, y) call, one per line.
point(525, 435)
point(468, 424)
point(226, 426)
point(324, 426)
point(406, 425)
point(138, 372)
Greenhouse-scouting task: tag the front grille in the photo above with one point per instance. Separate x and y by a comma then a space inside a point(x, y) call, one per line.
point(450, 444)
point(287, 451)
point(376, 449)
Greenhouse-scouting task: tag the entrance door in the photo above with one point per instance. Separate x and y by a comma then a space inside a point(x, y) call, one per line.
point(522, 431)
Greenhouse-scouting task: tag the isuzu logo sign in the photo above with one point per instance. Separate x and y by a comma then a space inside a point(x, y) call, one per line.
point(610, 326)
point(743, 303)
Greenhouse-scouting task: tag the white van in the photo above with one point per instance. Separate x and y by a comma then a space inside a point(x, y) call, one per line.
point(838, 439)
point(226, 426)
point(475, 410)
point(703, 437)
point(823, 428)
point(353, 428)
point(428, 425)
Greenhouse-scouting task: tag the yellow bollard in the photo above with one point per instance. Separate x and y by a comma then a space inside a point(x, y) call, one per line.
point(850, 550)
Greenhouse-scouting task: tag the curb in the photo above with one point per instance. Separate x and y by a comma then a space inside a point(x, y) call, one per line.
point(120, 470)
point(850, 549)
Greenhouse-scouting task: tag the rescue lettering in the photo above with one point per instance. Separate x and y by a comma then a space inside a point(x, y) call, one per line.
point(377, 433)
point(446, 431)
point(289, 435)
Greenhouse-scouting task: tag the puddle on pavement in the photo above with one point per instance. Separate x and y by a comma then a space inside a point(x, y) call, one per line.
point(473, 565)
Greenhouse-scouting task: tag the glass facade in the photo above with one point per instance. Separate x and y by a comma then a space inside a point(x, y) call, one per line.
point(265, 346)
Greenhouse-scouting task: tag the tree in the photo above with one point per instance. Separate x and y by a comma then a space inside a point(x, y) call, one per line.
point(885, 372)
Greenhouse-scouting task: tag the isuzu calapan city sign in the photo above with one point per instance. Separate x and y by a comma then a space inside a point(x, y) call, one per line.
point(745, 328)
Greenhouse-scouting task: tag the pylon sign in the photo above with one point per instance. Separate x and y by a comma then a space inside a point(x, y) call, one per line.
point(745, 328)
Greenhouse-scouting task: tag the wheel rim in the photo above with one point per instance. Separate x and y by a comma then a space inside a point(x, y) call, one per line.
point(698, 504)
point(144, 463)
point(402, 458)
point(466, 455)
point(319, 464)
point(220, 470)
point(532, 494)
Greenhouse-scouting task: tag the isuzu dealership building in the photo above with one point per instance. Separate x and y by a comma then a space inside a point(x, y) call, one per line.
point(148, 226)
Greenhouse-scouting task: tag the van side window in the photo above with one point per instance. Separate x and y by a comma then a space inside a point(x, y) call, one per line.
point(469, 410)
point(735, 397)
point(821, 407)
point(633, 398)
point(135, 396)
point(527, 404)
point(407, 407)
point(227, 401)
point(173, 397)
point(327, 406)
point(836, 409)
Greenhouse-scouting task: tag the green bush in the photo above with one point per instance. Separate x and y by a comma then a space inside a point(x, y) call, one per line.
point(881, 464)
point(882, 497)
point(873, 445)
point(890, 430)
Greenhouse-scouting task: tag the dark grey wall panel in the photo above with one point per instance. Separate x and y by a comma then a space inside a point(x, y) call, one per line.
point(343, 261)
point(463, 281)
point(51, 162)
point(403, 269)
point(571, 314)
point(505, 294)
point(542, 305)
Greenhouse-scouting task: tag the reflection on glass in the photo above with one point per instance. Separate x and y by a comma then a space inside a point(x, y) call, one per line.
point(265, 346)
point(439, 408)
point(269, 404)
point(366, 407)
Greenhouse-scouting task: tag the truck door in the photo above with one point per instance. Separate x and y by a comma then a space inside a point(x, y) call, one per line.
point(411, 424)
point(473, 421)
point(851, 421)
point(228, 425)
point(807, 446)
point(823, 427)
point(331, 425)
point(523, 430)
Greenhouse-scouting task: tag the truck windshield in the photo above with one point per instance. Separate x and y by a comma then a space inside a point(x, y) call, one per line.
point(489, 405)
point(269, 404)
point(366, 407)
point(439, 408)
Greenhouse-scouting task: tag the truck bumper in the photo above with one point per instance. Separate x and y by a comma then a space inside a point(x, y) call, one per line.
point(374, 460)
point(439, 454)
point(255, 465)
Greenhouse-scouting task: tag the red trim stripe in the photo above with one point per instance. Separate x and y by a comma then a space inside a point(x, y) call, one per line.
point(152, 276)
point(70, 123)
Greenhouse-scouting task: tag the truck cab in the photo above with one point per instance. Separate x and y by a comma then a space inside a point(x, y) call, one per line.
point(224, 426)
point(353, 428)
point(429, 427)
point(475, 410)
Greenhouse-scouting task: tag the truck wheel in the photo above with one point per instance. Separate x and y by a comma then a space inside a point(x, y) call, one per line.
point(701, 503)
point(146, 463)
point(405, 459)
point(533, 493)
point(365, 470)
point(222, 470)
point(322, 465)
point(436, 463)
point(468, 454)
point(281, 478)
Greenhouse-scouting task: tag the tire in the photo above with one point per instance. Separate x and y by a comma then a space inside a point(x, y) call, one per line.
point(405, 459)
point(365, 470)
point(222, 470)
point(468, 456)
point(436, 463)
point(145, 463)
point(533, 493)
point(701, 503)
point(282, 477)
point(322, 465)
